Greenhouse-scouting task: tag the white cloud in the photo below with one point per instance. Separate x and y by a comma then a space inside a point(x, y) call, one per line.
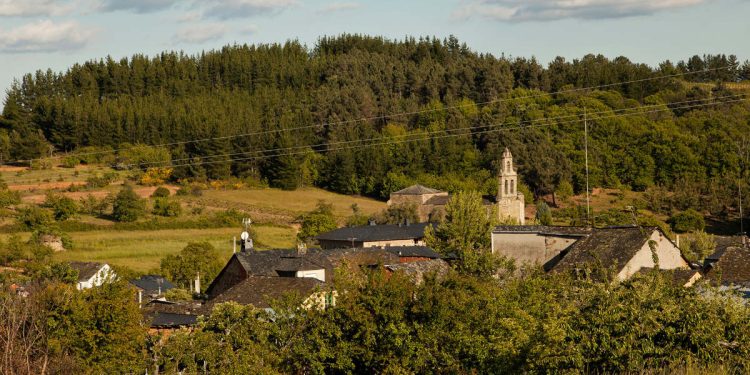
point(200, 33)
point(226, 9)
point(336, 7)
point(137, 6)
point(45, 36)
point(35, 8)
point(545, 10)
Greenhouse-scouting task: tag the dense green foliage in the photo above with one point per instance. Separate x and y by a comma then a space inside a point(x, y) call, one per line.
point(160, 192)
point(317, 221)
point(127, 205)
point(196, 260)
point(63, 208)
point(301, 109)
point(687, 221)
point(166, 207)
point(538, 324)
point(465, 234)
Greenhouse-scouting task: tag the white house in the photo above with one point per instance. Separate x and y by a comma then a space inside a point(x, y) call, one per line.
point(91, 274)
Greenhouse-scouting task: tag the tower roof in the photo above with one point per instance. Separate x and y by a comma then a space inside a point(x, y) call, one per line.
point(507, 154)
point(416, 190)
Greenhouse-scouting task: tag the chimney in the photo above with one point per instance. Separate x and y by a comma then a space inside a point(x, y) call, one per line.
point(140, 298)
point(407, 222)
point(677, 240)
point(371, 222)
point(198, 283)
point(301, 249)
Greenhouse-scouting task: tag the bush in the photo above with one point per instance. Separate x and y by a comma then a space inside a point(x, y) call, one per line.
point(9, 197)
point(166, 207)
point(317, 221)
point(98, 181)
point(687, 221)
point(33, 217)
point(62, 207)
point(127, 206)
point(160, 192)
point(70, 162)
point(543, 213)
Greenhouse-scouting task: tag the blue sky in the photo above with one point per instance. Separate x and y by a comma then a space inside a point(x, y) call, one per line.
point(41, 34)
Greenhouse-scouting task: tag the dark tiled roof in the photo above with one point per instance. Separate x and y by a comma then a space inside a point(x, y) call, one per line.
point(733, 267)
point(543, 229)
point(417, 270)
point(417, 190)
point(170, 320)
point(152, 283)
point(297, 264)
point(86, 270)
point(440, 200)
point(260, 290)
point(722, 243)
point(376, 233)
point(609, 246)
point(413, 251)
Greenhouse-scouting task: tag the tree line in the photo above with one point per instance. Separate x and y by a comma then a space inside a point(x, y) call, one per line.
point(302, 110)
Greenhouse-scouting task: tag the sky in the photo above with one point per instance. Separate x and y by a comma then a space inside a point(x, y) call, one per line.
point(49, 34)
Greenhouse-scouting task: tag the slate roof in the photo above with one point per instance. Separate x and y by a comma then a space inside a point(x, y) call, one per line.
point(152, 283)
point(440, 200)
point(368, 233)
point(610, 246)
point(86, 270)
point(416, 271)
point(297, 264)
point(544, 229)
point(722, 243)
point(733, 267)
point(171, 320)
point(260, 290)
point(417, 190)
point(413, 251)
point(268, 262)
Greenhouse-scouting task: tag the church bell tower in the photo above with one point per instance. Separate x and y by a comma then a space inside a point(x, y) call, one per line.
point(510, 203)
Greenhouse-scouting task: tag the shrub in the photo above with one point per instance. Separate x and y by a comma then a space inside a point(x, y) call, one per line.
point(160, 192)
point(70, 162)
point(127, 206)
point(543, 213)
point(155, 176)
point(166, 207)
point(98, 181)
point(317, 221)
point(687, 221)
point(9, 197)
point(62, 207)
point(33, 217)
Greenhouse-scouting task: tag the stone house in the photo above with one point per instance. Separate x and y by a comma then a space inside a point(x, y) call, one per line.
point(374, 236)
point(430, 203)
point(626, 250)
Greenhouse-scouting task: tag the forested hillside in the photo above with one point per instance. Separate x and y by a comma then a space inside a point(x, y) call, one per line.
point(365, 115)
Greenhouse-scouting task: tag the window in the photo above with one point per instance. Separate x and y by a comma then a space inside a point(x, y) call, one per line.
point(507, 166)
point(512, 186)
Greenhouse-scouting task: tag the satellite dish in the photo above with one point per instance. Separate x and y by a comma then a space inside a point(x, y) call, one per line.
point(244, 236)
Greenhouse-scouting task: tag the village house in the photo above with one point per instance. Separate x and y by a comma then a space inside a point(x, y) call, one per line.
point(92, 274)
point(430, 203)
point(626, 250)
point(374, 236)
point(729, 266)
point(257, 277)
point(150, 287)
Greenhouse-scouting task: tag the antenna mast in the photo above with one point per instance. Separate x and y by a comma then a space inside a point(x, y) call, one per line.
point(586, 148)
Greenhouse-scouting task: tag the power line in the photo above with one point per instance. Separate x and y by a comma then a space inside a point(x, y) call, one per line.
point(421, 136)
point(472, 128)
point(385, 116)
point(426, 136)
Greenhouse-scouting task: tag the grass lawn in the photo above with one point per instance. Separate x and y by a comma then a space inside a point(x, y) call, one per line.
point(295, 202)
point(142, 250)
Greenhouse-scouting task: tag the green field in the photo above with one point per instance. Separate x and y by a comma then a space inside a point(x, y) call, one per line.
point(142, 251)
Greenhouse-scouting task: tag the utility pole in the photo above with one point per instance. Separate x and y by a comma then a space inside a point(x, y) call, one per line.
point(586, 150)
